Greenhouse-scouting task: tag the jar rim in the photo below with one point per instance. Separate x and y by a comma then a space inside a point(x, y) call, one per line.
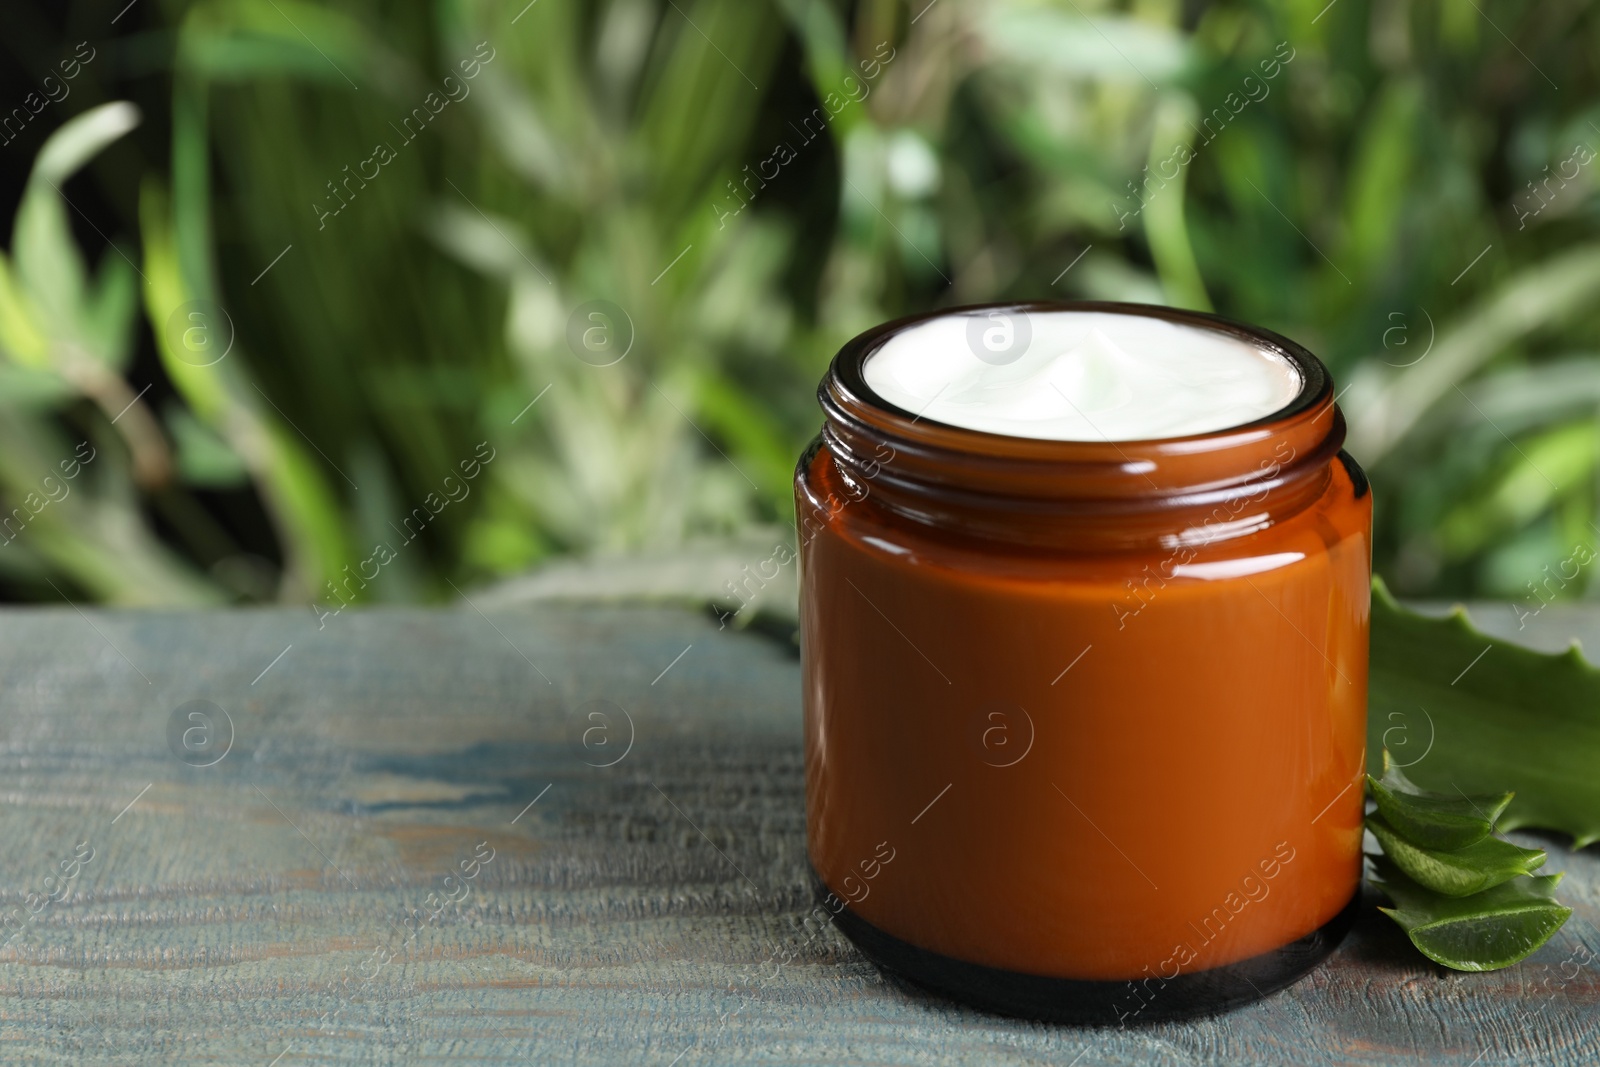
point(1047, 492)
point(848, 371)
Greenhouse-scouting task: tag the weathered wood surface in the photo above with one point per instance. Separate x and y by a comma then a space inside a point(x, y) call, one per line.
point(273, 908)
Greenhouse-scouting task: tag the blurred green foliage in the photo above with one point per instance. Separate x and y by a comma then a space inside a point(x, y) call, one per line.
point(396, 219)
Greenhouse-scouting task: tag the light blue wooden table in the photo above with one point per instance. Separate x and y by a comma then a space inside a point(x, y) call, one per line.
point(565, 834)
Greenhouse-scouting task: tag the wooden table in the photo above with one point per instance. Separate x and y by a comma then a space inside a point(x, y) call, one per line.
point(413, 851)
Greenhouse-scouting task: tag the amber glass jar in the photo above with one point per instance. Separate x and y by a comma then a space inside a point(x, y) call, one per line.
point(1085, 721)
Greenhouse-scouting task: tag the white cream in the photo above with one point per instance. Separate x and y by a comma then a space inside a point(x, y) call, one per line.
point(1079, 375)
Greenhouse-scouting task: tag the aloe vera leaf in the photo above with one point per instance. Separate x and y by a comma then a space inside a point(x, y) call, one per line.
point(1474, 714)
point(1549, 291)
point(1433, 820)
point(1482, 932)
point(49, 265)
point(1456, 872)
point(304, 508)
point(1165, 228)
point(23, 339)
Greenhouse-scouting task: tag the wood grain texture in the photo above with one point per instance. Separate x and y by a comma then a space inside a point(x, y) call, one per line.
point(273, 908)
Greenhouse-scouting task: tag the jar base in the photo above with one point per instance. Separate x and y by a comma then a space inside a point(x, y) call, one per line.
point(1104, 1003)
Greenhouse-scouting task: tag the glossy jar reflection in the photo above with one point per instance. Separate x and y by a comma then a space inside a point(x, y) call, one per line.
point(1085, 721)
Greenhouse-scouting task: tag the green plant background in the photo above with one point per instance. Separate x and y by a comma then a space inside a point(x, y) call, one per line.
point(1406, 187)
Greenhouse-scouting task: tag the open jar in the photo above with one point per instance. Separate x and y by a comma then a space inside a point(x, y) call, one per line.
point(1085, 720)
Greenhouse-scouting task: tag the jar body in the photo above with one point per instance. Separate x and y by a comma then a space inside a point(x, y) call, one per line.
point(1105, 766)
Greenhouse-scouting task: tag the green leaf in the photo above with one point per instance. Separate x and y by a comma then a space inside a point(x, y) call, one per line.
point(1382, 161)
point(1478, 715)
point(246, 39)
point(109, 310)
point(1482, 932)
point(1548, 291)
point(1433, 820)
point(1140, 52)
point(1544, 469)
point(1164, 224)
point(303, 505)
point(49, 266)
point(81, 138)
point(827, 58)
point(204, 459)
point(22, 337)
point(1456, 872)
point(33, 388)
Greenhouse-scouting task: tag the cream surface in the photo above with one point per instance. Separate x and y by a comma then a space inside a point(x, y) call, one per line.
point(1079, 376)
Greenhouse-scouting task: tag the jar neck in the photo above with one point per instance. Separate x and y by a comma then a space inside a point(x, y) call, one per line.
point(1089, 496)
